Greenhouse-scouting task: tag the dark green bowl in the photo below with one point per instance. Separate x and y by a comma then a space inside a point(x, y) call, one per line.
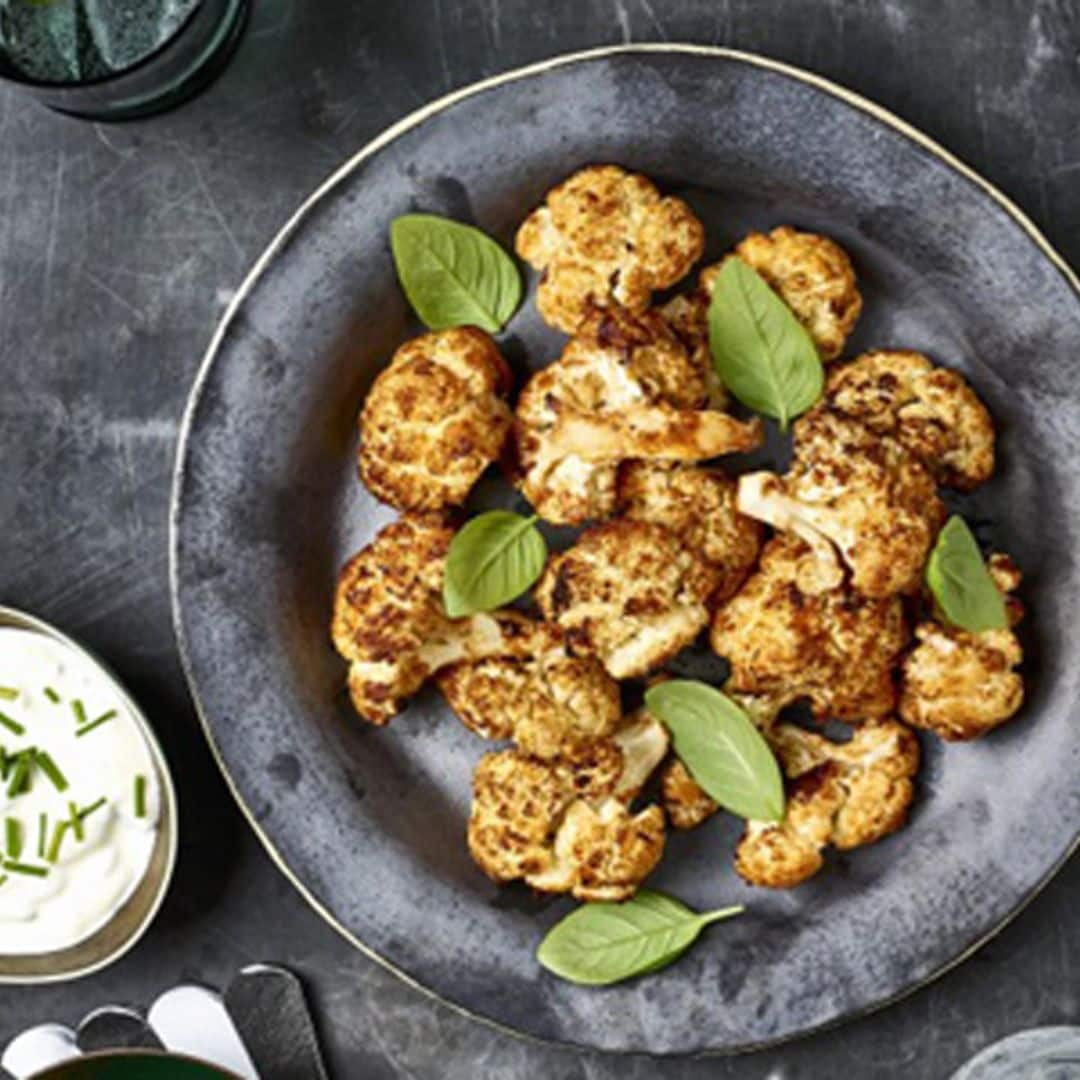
point(134, 1065)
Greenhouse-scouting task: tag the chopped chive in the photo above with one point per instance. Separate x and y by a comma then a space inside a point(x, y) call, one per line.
point(3, 879)
point(42, 836)
point(140, 796)
point(8, 693)
point(57, 840)
point(79, 709)
point(12, 725)
point(52, 695)
point(51, 770)
point(76, 822)
point(86, 811)
point(26, 868)
point(20, 777)
point(102, 719)
point(5, 763)
point(13, 837)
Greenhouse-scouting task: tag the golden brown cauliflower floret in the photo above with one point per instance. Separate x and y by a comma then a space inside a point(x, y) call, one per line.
point(813, 276)
point(604, 853)
point(606, 237)
point(688, 316)
point(845, 795)
point(687, 805)
point(629, 592)
point(518, 803)
point(961, 685)
point(550, 704)
point(435, 419)
point(855, 491)
point(623, 388)
point(566, 826)
point(837, 648)
point(699, 506)
point(929, 410)
point(390, 624)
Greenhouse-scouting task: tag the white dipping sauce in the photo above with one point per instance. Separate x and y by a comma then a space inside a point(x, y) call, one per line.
point(87, 880)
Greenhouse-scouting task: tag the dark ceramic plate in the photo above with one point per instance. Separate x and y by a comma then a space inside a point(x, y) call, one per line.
point(368, 823)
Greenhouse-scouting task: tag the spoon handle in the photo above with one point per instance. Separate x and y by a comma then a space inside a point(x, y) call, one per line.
point(268, 1007)
point(116, 1027)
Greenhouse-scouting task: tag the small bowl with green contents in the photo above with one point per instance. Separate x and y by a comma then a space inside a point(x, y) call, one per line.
point(134, 1065)
point(88, 821)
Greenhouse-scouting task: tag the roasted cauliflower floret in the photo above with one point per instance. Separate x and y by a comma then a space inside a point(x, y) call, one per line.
point(686, 803)
point(688, 316)
point(605, 237)
point(603, 853)
point(813, 276)
point(699, 506)
point(856, 492)
point(390, 624)
point(837, 648)
point(566, 826)
point(629, 592)
point(623, 388)
point(518, 804)
point(931, 411)
point(552, 704)
point(961, 685)
point(435, 419)
point(847, 795)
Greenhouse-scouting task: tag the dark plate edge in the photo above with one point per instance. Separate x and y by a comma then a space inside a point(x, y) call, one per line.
point(414, 119)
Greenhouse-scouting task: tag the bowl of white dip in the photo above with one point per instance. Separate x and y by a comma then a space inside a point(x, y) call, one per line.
point(88, 822)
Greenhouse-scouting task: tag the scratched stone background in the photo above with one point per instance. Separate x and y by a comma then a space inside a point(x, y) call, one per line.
point(119, 247)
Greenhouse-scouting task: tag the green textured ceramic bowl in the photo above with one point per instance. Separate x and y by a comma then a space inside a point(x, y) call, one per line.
point(134, 1065)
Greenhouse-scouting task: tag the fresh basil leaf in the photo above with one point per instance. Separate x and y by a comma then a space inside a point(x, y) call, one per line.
point(962, 586)
point(492, 560)
point(719, 744)
point(453, 274)
point(603, 943)
point(761, 352)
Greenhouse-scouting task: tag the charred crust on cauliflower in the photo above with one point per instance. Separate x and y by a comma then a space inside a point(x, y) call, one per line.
point(435, 419)
point(604, 853)
point(686, 803)
point(699, 506)
point(566, 826)
point(606, 237)
point(552, 705)
point(814, 277)
point(623, 388)
point(629, 592)
point(837, 648)
point(929, 410)
point(962, 685)
point(842, 795)
point(387, 605)
point(852, 492)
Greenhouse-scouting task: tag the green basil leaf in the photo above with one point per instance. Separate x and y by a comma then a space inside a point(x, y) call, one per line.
point(492, 560)
point(719, 744)
point(962, 586)
point(761, 352)
point(453, 274)
point(603, 943)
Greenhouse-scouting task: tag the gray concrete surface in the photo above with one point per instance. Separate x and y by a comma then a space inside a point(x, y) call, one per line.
point(119, 246)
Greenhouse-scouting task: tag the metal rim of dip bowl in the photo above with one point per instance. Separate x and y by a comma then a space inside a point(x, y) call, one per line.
point(135, 1065)
point(124, 929)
